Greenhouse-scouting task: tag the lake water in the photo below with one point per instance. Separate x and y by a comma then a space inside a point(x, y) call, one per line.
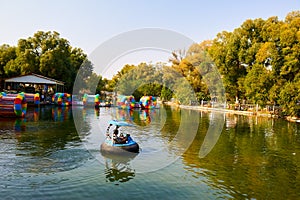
point(54, 153)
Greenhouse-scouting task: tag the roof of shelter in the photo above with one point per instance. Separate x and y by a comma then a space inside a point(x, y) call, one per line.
point(34, 78)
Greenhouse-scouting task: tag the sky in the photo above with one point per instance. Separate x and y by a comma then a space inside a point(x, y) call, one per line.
point(88, 24)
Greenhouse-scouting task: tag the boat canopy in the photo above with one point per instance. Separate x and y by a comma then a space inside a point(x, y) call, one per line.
point(119, 123)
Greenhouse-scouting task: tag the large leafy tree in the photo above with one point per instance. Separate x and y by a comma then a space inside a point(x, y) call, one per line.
point(117, 77)
point(257, 83)
point(7, 56)
point(290, 98)
point(45, 53)
point(225, 54)
point(144, 79)
point(190, 67)
point(260, 60)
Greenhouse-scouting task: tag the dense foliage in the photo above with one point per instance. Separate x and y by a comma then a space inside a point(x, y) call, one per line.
point(260, 61)
point(47, 54)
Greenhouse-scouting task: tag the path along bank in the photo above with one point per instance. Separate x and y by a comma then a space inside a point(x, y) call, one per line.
point(237, 112)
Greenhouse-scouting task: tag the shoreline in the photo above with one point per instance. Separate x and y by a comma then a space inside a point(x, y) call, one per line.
point(237, 112)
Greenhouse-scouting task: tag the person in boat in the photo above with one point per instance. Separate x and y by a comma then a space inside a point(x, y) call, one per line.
point(107, 131)
point(122, 139)
point(115, 134)
point(116, 131)
point(128, 138)
point(118, 139)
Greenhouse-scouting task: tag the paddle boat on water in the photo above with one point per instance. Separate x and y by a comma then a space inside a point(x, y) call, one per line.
point(118, 143)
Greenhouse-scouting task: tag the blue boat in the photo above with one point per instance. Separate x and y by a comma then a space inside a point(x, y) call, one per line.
point(118, 143)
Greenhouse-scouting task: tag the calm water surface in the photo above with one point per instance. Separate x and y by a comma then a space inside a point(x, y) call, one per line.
point(54, 153)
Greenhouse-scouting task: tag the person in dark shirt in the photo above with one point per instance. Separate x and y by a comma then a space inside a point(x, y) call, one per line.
point(115, 135)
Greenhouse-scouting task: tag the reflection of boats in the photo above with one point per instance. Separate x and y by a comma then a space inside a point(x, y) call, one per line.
point(61, 113)
point(124, 158)
point(97, 112)
point(145, 117)
point(118, 167)
point(123, 115)
point(8, 124)
point(33, 114)
point(136, 116)
point(119, 143)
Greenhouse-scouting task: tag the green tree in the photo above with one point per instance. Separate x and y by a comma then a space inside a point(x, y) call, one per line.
point(55, 56)
point(7, 54)
point(82, 67)
point(290, 98)
point(45, 53)
point(260, 59)
point(166, 94)
point(190, 67)
point(258, 82)
point(145, 79)
point(117, 77)
point(184, 92)
point(82, 77)
point(94, 83)
point(225, 54)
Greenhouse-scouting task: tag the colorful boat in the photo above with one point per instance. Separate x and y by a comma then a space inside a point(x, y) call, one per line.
point(91, 100)
point(31, 99)
point(62, 99)
point(118, 143)
point(126, 102)
point(13, 106)
point(148, 102)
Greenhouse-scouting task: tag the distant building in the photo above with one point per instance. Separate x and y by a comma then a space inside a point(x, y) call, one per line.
point(33, 83)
